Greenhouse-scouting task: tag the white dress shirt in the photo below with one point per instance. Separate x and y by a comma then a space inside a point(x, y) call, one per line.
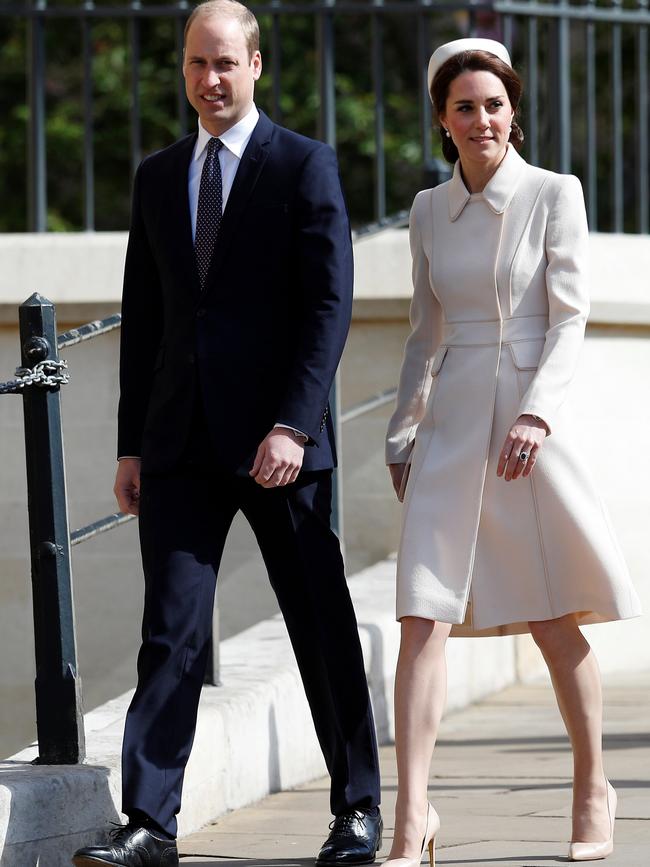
point(234, 144)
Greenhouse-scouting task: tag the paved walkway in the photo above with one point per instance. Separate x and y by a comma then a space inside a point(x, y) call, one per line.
point(501, 783)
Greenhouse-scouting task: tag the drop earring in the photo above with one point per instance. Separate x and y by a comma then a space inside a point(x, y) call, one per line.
point(447, 133)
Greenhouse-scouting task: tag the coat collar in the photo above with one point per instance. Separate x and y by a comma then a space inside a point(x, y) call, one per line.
point(234, 139)
point(500, 188)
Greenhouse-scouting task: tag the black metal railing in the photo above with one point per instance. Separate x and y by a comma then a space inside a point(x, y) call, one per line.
point(59, 713)
point(59, 707)
point(585, 66)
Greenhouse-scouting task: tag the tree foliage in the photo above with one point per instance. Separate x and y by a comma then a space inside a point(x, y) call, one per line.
point(158, 73)
point(161, 115)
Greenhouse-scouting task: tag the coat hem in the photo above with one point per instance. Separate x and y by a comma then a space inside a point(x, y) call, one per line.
point(585, 617)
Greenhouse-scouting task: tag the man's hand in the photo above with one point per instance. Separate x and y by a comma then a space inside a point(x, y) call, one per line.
point(127, 485)
point(278, 459)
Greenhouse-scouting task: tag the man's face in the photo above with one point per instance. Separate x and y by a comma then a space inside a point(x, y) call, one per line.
point(219, 76)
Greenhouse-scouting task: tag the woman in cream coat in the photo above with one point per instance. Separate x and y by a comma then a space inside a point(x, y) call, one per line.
point(502, 528)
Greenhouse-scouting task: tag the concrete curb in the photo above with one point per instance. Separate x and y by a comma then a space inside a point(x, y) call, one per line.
point(254, 734)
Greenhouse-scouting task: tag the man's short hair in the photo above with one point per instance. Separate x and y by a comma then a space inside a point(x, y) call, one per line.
point(229, 9)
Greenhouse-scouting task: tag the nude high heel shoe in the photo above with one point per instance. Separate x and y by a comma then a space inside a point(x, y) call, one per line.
point(596, 851)
point(432, 828)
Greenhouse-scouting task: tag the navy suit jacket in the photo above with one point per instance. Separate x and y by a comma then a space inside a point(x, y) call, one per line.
point(265, 336)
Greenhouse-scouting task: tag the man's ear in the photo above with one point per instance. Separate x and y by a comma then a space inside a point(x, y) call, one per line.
point(256, 61)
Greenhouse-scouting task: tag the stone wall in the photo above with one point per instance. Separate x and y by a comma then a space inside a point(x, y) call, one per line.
point(82, 274)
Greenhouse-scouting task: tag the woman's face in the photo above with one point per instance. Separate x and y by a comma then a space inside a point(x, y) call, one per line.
point(478, 115)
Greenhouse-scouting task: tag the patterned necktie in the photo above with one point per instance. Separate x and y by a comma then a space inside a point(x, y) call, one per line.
point(208, 212)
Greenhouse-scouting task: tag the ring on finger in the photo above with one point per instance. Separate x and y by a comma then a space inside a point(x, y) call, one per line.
point(523, 456)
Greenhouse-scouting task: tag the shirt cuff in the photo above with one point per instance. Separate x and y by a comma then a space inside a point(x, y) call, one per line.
point(539, 418)
point(129, 458)
point(298, 433)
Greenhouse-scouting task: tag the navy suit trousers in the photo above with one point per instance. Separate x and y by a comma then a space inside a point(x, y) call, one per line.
point(185, 516)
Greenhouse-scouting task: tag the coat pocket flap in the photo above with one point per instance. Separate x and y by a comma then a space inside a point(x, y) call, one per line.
point(438, 358)
point(527, 353)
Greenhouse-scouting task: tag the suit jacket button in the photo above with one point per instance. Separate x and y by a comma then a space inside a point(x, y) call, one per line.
point(190, 358)
point(201, 311)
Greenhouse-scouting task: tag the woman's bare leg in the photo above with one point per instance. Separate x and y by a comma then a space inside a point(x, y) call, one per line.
point(420, 693)
point(576, 680)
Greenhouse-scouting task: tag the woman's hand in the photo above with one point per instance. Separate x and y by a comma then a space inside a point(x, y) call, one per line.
point(397, 475)
point(525, 437)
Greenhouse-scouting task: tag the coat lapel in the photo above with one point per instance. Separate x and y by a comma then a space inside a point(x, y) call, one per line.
point(177, 215)
point(516, 229)
point(250, 167)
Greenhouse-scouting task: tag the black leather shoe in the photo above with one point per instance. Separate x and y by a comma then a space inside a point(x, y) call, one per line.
point(355, 839)
point(130, 846)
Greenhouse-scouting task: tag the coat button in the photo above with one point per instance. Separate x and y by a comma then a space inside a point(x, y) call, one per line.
point(201, 312)
point(191, 359)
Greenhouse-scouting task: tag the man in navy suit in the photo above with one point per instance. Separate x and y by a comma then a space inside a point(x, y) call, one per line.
point(236, 306)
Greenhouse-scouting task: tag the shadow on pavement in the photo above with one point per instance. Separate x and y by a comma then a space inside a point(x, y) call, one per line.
point(629, 740)
point(515, 859)
point(230, 861)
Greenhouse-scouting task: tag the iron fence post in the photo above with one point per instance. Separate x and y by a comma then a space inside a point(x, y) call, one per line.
point(135, 113)
point(36, 165)
point(642, 115)
point(423, 53)
point(181, 98)
point(325, 40)
point(88, 109)
point(59, 715)
point(562, 72)
point(616, 77)
point(377, 61)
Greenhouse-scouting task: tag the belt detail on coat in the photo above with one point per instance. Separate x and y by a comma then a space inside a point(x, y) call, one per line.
point(494, 331)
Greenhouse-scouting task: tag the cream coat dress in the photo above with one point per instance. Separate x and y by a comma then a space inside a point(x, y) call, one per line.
point(498, 316)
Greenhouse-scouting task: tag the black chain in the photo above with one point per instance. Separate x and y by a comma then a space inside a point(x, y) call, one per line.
point(45, 374)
